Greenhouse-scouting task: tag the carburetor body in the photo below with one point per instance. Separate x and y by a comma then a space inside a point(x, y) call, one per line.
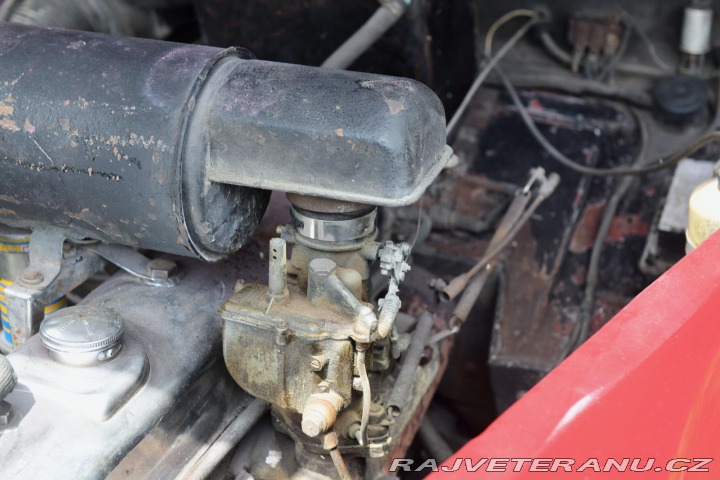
point(301, 345)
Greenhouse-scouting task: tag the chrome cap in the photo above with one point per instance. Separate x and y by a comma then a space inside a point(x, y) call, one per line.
point(82, 336)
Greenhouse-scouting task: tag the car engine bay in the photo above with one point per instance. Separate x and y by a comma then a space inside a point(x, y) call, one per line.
point(298, 240)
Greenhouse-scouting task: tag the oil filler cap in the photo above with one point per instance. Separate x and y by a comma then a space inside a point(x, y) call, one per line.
point(82, 336)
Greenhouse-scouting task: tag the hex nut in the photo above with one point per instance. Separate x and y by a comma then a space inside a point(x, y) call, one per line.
point(161, 268)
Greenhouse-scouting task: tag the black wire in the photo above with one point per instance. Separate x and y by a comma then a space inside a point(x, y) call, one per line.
point(612, 64)
point(598, 172)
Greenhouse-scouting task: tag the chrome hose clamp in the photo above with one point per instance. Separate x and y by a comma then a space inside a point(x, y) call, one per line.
point(330, 228)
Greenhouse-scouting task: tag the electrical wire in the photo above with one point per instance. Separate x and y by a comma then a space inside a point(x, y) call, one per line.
point(582, 330)
point(600, 172)
point(492, 64)
point(520, 12)
point(554, 49)
point(566, 58)
point(477, 83)
point(419, 223)
point(647, 41)
point(611, 66)
point(366, 398)
point(459, 283)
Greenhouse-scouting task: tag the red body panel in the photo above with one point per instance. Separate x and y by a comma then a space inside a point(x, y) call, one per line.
point(647, 385)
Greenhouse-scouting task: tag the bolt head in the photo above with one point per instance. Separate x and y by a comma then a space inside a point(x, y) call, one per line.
point(32, 277)
point(161, 268)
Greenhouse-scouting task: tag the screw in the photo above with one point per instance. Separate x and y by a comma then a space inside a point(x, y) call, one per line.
point(161, 269)
point(317, 362)
point(32, 277)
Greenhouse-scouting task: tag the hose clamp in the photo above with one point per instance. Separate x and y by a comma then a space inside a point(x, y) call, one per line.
point(326, 228)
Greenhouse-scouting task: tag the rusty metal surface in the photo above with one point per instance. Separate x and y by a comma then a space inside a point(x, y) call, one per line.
point(544, 274)
point(429, 378)
point(543, 277)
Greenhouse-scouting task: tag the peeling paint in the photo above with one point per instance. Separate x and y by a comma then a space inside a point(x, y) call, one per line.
point(10, 199)
point(394, 93)
point(41, 167)
point(6, 110)
point(8, 124)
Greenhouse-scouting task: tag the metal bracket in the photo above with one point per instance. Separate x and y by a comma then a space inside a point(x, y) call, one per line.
point(51, 274)
point(159, 272)
point(46, 254)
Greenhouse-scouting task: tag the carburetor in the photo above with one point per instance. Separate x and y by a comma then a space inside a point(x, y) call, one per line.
point(305, 345)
